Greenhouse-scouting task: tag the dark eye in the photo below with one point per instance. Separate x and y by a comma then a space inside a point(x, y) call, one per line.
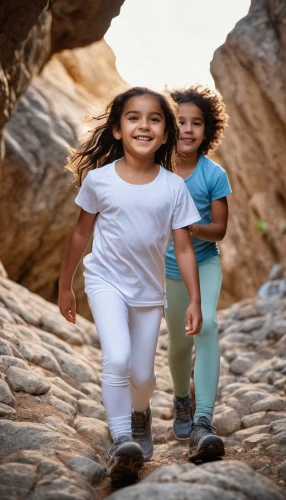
point(181, 122)
point(132, 118)
point(197, 123)
point(153, 119)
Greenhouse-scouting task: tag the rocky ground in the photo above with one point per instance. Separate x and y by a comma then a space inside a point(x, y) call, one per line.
point(53, 434)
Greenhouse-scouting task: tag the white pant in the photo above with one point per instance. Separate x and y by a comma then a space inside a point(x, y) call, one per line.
point(128, 337)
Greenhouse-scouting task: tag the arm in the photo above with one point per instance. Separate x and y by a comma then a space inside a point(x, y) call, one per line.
point(215, 231)
point(78, 243)
point(186, 259)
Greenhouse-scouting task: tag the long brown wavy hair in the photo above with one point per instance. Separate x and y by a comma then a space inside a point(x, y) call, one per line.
point(102, 148)
point(215, 116)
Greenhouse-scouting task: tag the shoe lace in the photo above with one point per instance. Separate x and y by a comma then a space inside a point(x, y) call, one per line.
point(205, 425)
point(139, 426)
point(183, 411)
point(117, 443)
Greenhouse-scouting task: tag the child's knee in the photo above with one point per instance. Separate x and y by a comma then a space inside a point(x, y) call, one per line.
point(117, 365)
point(209, 327)
point(143, 381)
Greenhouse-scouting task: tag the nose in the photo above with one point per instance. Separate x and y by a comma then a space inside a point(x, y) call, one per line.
point(188, 129)
point(144, 124)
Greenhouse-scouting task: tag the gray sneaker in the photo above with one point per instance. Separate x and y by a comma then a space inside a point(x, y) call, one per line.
point(126, 458)
point(182, 418)
point(142, 432)
point(204, 443)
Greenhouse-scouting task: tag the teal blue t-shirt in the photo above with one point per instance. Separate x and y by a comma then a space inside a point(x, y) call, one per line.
point(206, 183)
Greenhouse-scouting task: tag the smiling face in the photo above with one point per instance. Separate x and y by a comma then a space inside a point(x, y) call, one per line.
point(142, 126)
point(192, 128)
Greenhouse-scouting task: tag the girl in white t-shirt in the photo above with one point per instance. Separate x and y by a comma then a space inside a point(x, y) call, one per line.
point(133, 204)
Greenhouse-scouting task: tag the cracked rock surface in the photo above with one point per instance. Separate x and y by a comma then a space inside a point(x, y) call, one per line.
point(53, 432)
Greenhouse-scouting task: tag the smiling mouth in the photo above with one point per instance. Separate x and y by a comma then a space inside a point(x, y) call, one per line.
point(142, 138)
point(187, 139)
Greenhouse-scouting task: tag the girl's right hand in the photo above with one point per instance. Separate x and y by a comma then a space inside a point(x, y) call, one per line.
point(194, 319)
point(67, 305)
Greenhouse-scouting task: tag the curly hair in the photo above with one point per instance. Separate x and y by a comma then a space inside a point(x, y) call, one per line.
point(102, 148)
point(215, 116)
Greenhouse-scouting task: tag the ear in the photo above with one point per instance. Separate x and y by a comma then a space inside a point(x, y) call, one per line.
point(165, 138)
point(116, 133)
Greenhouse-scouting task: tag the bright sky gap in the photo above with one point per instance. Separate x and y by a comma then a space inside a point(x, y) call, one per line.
point(171, 42)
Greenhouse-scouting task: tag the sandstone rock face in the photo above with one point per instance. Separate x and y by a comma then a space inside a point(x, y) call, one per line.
point(24, 48)
point(76, 23)
point(44, 28)
point(53, 432)
point(250, 71)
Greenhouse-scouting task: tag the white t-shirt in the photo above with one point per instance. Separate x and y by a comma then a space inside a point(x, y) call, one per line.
point(132, 232)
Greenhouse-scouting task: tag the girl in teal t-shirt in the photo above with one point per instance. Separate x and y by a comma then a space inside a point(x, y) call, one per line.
point(202, 122)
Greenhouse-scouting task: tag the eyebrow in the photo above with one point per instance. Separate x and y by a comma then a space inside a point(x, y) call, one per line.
point(152, 113)
point(193, 118)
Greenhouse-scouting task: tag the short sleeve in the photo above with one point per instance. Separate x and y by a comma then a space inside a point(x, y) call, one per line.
point(185, 211)
point(86, 197)
point(219, 184)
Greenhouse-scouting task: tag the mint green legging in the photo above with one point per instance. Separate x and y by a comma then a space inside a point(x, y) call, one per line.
point(207, 364)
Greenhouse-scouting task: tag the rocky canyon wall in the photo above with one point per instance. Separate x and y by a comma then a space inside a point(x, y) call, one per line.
point(32, 31)
point(250, 71)
point(37, 207)
point(24, 48)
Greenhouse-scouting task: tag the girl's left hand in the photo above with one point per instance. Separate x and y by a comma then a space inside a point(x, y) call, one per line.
point(194, 319)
